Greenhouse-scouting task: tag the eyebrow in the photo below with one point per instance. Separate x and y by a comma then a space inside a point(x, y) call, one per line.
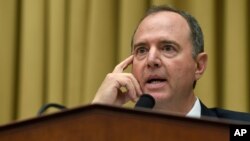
point(161, 42)
point(169, 42)
point(138, 45)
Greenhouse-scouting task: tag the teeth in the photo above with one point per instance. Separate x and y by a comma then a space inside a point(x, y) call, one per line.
point(155, 81)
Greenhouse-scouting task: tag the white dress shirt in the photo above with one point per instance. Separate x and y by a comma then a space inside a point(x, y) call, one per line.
point(196, 110)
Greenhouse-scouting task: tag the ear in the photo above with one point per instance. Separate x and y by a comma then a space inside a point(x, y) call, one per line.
point(201, 65)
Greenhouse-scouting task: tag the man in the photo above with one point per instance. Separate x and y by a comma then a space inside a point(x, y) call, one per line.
point(167, 59)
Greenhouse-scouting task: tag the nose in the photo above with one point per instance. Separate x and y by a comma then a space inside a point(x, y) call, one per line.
point(153, 59)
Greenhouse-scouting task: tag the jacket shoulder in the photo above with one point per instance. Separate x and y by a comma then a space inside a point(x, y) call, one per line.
point(225, 114)
point(234, 115)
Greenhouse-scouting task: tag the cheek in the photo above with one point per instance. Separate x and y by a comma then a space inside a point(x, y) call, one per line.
point(136, 70)
point(182, 69)
point(186, 71)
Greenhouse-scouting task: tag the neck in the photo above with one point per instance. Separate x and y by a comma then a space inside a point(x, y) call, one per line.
point(180, 106)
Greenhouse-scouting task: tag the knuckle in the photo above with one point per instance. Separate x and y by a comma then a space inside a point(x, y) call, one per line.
point(128, 80)
point(110, 76)
point(117, 68)
point(129, 75)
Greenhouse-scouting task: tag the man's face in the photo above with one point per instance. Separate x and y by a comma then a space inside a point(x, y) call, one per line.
point(163, 62)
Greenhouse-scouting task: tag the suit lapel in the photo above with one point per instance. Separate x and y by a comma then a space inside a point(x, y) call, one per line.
point(207, 112)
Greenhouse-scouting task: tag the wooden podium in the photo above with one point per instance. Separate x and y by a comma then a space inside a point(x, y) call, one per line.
point(108, 123)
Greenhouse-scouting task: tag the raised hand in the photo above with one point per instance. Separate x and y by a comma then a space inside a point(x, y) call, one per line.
point(110, 90)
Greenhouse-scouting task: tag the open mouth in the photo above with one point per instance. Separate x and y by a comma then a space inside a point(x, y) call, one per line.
point(153, 81)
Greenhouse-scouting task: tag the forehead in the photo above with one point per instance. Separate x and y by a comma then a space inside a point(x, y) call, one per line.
point(170, 24)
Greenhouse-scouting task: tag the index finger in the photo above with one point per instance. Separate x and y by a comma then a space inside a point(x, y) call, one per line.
point(123, 65)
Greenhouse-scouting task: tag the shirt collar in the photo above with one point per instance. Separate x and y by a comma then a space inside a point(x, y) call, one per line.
point(196, 110)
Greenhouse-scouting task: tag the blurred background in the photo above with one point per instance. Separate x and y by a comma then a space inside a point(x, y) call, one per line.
point(60, 50)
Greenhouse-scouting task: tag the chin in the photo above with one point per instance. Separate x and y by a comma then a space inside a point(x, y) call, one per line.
point(160, 96)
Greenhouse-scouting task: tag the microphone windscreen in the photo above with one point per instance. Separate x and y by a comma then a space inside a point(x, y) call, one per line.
point(145, 101)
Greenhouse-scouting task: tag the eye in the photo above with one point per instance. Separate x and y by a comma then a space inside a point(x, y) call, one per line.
point(169, 50)
point(140, 50)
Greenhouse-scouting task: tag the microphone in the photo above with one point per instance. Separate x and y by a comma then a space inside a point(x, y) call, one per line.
point(45, 107)
point(145, 101)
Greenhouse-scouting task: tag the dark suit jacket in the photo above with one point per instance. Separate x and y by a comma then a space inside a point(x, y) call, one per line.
point(225, 114)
